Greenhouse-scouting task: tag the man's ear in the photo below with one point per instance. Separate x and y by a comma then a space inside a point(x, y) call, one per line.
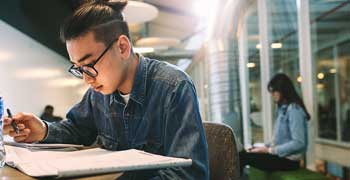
point(124, 46)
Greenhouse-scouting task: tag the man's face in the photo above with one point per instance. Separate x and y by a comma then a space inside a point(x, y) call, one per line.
point(111, 68)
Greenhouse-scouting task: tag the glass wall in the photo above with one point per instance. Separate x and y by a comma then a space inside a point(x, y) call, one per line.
point(197, 70)
point(282, 27)
point(328, 61)
point(344, 86)
point(330, 29)
point(325, 86)
point(283, 38)
point(255, 120)
point(283, 41)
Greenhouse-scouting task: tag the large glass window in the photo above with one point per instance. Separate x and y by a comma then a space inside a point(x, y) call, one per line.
point(344, 87)
point(330, 25)
point(283, 38)
point(325, 86)
point(254, 77)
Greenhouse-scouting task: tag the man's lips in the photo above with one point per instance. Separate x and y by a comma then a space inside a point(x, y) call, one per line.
point(96, 88)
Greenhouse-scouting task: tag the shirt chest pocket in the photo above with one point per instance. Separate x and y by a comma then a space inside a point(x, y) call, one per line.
point(146, 134)
point(151, 145)
point(110, 130)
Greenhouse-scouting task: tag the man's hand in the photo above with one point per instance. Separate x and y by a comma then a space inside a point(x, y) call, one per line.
point(31, 128)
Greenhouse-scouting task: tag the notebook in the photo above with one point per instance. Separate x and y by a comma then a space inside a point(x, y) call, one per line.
point(86, 162)
point(8, 140)
point(43, 146)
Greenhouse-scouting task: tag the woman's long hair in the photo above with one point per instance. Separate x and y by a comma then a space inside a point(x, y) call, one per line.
point(284, 85)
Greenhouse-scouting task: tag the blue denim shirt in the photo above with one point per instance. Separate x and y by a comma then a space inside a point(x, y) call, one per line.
point(290, 132)
point(161, 117)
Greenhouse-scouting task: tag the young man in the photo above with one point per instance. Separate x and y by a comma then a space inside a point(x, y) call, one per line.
point(133, 102)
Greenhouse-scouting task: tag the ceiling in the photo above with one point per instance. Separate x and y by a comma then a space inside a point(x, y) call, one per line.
point(40, 19)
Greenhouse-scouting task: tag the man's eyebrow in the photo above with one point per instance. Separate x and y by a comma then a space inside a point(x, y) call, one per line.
point(84, 58)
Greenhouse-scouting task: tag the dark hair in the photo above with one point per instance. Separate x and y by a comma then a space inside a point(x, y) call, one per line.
point(103, 18)
point(284, 85)
point(48, 107)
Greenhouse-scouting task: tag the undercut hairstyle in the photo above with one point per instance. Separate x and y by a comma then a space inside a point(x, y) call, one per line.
point(102, 17)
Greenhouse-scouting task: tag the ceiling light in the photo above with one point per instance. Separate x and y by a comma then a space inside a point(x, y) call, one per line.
point(139, 12)
point(276, 45)
point(251, 65)
point(299, 79)
point(273, 46)
point(333, 71)
point(320, 75)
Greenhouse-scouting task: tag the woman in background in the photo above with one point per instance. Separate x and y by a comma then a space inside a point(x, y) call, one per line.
point(290, 136)
point(48, 116)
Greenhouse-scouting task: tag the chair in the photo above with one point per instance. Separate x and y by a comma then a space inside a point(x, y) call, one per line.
point(222, 149)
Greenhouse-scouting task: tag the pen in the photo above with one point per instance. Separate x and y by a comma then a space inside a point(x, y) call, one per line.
point(13, 123)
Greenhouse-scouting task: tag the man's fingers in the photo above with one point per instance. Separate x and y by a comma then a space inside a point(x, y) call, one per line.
point(9, 128)
point(22, 117)
point(7, 121)
point(20, 138)
point(21, 126)
point(16, 117)
point(19, 118)
point(24, 132)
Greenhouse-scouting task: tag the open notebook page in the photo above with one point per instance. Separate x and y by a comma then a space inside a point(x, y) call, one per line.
point(86, 162)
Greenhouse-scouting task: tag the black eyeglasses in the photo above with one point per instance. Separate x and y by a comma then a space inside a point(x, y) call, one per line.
point(89, 69)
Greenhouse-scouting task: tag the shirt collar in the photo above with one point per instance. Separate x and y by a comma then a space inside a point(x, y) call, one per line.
point(283, 108)
point(138, 90)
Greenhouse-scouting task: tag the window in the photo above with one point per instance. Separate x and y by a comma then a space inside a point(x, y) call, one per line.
point(325, 86)
point(283, 41)
point(330, 24)
point(344, 88)
point(252, 59)
point(283, 38)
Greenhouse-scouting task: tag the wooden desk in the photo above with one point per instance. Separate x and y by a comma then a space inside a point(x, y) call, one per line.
point(10, 173)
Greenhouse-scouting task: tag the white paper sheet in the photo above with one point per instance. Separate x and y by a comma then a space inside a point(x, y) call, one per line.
point(86, 162)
